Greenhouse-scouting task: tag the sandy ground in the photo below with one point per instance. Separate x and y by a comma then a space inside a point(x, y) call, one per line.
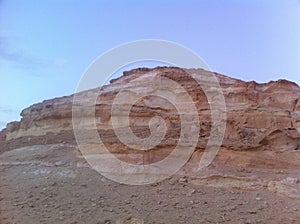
point(50, 184)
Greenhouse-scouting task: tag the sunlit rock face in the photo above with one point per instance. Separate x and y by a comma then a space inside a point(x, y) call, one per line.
point(259, 116)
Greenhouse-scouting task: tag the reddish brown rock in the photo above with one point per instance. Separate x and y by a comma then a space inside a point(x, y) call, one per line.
point(258, 115)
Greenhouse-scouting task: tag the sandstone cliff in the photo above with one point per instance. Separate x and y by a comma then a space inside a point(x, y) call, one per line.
point(254, 178)
point(259, 116)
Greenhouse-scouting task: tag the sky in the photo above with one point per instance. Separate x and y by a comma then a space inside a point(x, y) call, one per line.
point(45, 46)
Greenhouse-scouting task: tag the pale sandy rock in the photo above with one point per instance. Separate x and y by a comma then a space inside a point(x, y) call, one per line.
point(258, 115)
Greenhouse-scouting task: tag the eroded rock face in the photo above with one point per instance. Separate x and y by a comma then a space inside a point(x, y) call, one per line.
point(258, 115)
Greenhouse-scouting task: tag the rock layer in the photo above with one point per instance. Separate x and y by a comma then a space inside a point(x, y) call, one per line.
point(253, 179)
point(259, 116)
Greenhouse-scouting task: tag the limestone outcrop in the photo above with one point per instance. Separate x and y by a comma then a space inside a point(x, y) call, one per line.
point(258, 116)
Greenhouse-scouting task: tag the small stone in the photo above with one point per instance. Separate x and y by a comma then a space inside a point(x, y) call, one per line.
point(232, 208)
point(292, 180)
point(59, 163)
point(182, 180)
point(266, 204)
point(133, 196)
point(189, 193)
point(175, 204)
point(171, 182)
point(252, 212)
point(107, 209)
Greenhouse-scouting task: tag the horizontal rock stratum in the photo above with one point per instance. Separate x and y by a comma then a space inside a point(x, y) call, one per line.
point(258, 116)
point(141, 118)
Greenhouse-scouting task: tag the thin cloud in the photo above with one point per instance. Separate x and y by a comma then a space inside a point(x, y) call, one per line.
point(6, 110)
point(23, 61)
point(5, 55)
point(9, 56)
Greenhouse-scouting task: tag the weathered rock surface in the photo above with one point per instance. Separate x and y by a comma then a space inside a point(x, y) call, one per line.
point(253, 179)
point(258, 115)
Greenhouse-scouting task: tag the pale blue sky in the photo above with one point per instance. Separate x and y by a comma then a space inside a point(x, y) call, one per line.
point(45, 46)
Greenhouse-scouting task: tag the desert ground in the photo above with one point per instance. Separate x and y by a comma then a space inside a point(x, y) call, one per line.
point(52, 183)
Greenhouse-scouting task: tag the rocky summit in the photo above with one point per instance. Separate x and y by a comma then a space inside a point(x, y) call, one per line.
point(253, 178)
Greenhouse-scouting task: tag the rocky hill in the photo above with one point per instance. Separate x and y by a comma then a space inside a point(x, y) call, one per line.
point(258, 115)
point(254, 178)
